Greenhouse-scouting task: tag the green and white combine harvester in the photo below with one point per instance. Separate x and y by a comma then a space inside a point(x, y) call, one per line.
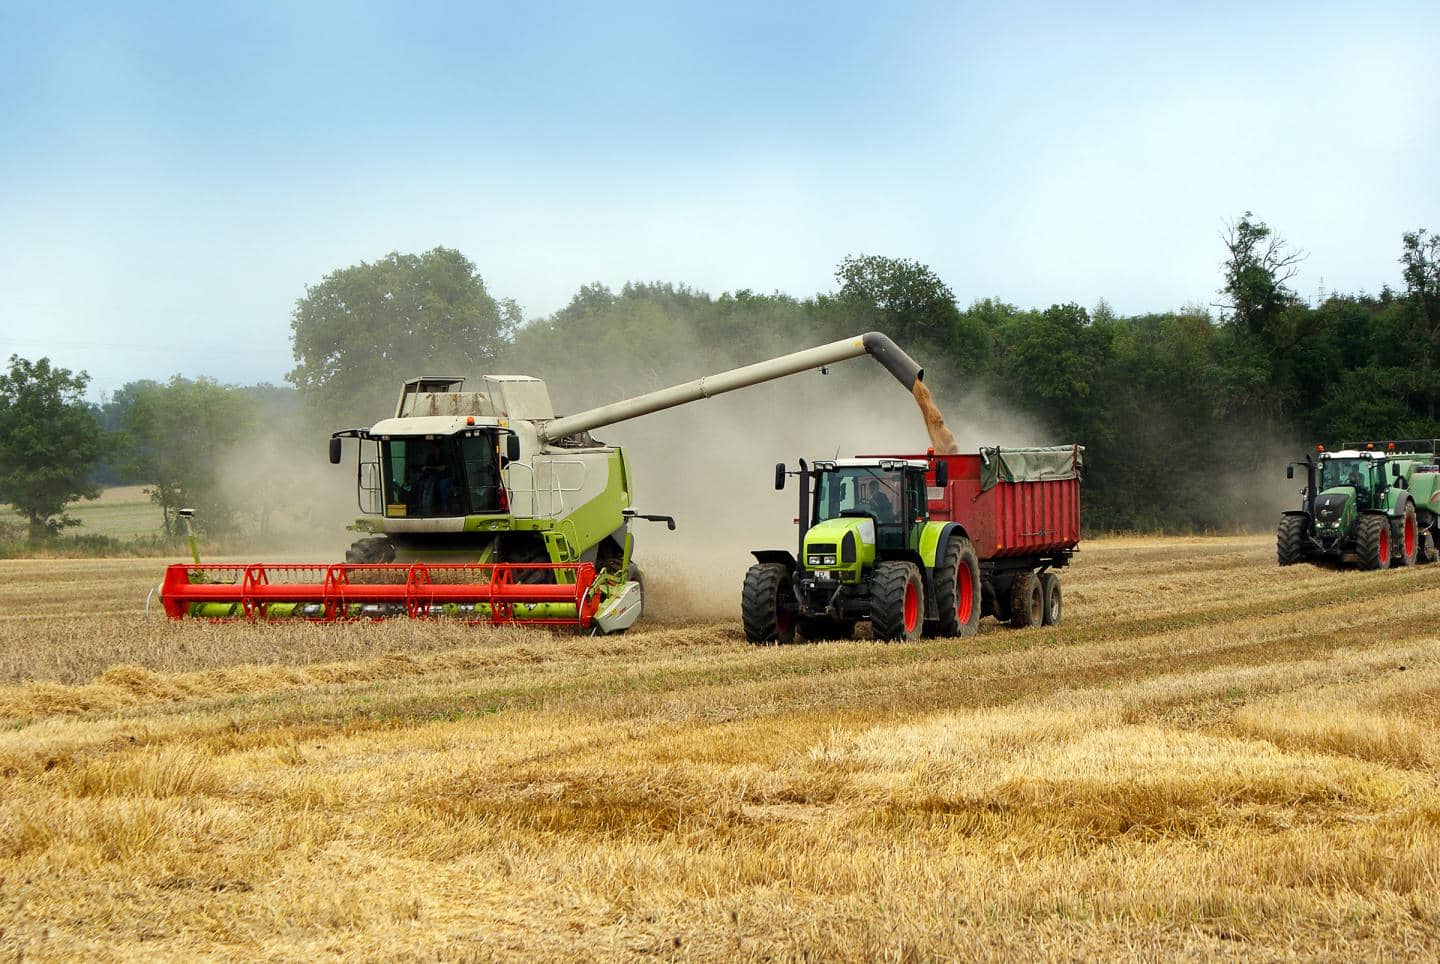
point(1371, 504)
point(485, 506)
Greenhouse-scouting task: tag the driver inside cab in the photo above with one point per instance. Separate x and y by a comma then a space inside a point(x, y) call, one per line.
point(874, 499)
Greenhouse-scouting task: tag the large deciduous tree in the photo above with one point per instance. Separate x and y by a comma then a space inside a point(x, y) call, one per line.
point(49, 443)
point(1259, 265)
point(182, 436)
point(1421, 270)
point(364, 329)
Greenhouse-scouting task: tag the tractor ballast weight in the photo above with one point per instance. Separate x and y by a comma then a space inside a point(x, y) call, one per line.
point(485, 506)
point(1369, 504)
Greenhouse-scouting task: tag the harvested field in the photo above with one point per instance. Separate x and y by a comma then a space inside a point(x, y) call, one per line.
point(1213, 757)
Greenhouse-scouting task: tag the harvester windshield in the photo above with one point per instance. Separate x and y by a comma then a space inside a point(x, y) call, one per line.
point(440, 475)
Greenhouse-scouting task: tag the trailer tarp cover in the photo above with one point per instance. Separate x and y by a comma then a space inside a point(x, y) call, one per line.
point(1029, 465)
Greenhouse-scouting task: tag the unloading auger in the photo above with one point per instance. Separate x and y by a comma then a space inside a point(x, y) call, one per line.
point(486, 507)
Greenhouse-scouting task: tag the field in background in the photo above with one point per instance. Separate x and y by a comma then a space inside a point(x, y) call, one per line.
point(1212, 757)
point(123, 512)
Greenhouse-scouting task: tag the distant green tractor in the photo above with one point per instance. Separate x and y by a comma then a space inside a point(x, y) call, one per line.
point(1372, 504)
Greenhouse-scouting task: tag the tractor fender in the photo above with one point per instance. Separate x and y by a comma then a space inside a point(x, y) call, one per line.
point(1397, 511)
point(934, 552)
point(782, 556)
point(1296, 512)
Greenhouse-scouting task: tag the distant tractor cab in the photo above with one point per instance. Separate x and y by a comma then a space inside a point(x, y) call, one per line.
point(1369, 504)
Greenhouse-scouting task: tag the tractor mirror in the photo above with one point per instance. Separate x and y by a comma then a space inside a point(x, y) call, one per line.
point(942, 474)
point(1395, 469)
point(779, 476)
point(1289, 471)
point(512, 447)
point(334, 450)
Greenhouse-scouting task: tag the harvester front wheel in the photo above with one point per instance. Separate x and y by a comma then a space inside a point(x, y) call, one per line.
point(957, 591)
point(1054, 599)
point(897, 605)
point(1372, 541)
point(1290, 540)
point(1407, 537)
point(767, 605)
point(371, 550)
point(1027, 601)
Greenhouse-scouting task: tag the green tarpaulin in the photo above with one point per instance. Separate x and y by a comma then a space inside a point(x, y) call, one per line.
point(1029, 465)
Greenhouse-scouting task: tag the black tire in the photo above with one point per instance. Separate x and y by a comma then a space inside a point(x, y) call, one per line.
point(1425, 521)
point(1405, 537)
point(767, 607)
point(818, 628)
point(520, 549)
point(897, 602)
point(371, 550)
point(1054, 599)
point(1372, 541)
point(1027, 601)
point(1290, 539)
point(957, 591)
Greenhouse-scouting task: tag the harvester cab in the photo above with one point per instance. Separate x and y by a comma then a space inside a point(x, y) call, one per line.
point(484, 505)
point(1373, 504)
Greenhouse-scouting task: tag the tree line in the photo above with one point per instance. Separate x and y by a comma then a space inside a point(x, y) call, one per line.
point(1182, 412)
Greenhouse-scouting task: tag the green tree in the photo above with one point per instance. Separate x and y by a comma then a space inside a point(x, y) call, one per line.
point(181, 435)
point(1421, 271)
point(364, 329)
point(50, 442)
point(1259, 265)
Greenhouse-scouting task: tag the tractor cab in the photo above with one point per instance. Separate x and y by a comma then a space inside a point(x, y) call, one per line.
point(889, 492)
point(1362, 476)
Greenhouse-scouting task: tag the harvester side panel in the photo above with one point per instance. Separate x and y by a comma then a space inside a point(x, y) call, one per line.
point(1010, 519)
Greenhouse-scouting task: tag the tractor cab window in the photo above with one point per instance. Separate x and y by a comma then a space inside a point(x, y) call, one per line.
point(441, 476)
point(1365, 476)
point(860, 490)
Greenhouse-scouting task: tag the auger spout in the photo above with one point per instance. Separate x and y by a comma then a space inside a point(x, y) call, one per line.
point(875, 344)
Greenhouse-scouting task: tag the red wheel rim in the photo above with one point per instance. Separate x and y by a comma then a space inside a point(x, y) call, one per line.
point(912, 605)
point(1409, 536)
point(965, 594)
point(1385, 544)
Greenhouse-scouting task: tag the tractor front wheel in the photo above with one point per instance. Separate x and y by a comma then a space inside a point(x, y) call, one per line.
point(897, 605)
point(1027, 601)
point(957, 590)
point(1290, 540)
point(1372, 541)
point(767, 605)
point(1407, 538)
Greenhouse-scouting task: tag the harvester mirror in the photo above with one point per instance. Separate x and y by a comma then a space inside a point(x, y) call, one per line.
point(942, 474)
point(334, 451)
point(1289, 471)
point(779, 476)
point(512, 447)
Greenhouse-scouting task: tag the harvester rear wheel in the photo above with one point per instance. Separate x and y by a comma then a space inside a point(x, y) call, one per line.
point(1027, 601)
point(957, 591)
point(1372, 541)
point(1054, 599)
point(1290, 540)
point(1406, 538)
point(767, 607)
point(897, 604)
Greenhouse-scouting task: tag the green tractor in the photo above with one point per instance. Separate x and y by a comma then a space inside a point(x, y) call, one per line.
point(1371, 504)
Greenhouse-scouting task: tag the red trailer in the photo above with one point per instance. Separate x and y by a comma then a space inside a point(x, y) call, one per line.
point(920, 544)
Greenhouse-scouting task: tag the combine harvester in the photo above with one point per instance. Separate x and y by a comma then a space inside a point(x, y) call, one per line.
point(920, 544)
point(1370, 504)
point(484, 506)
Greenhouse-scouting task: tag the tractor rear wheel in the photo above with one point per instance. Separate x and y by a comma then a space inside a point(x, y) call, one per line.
point(1407, 539)
point(897, 604)
point(957, 591)
point(1372, 541)
point(1027, 601)
point(1054, 599)
point(1290, 539)
point(767, 607)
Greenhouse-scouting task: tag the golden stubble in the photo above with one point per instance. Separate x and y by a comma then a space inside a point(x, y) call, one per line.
point(1212, 757)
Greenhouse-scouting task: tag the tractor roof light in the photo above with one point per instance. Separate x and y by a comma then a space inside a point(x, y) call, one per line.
point(1319, 448)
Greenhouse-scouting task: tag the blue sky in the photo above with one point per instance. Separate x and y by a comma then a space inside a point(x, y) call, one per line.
point(172, 177)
